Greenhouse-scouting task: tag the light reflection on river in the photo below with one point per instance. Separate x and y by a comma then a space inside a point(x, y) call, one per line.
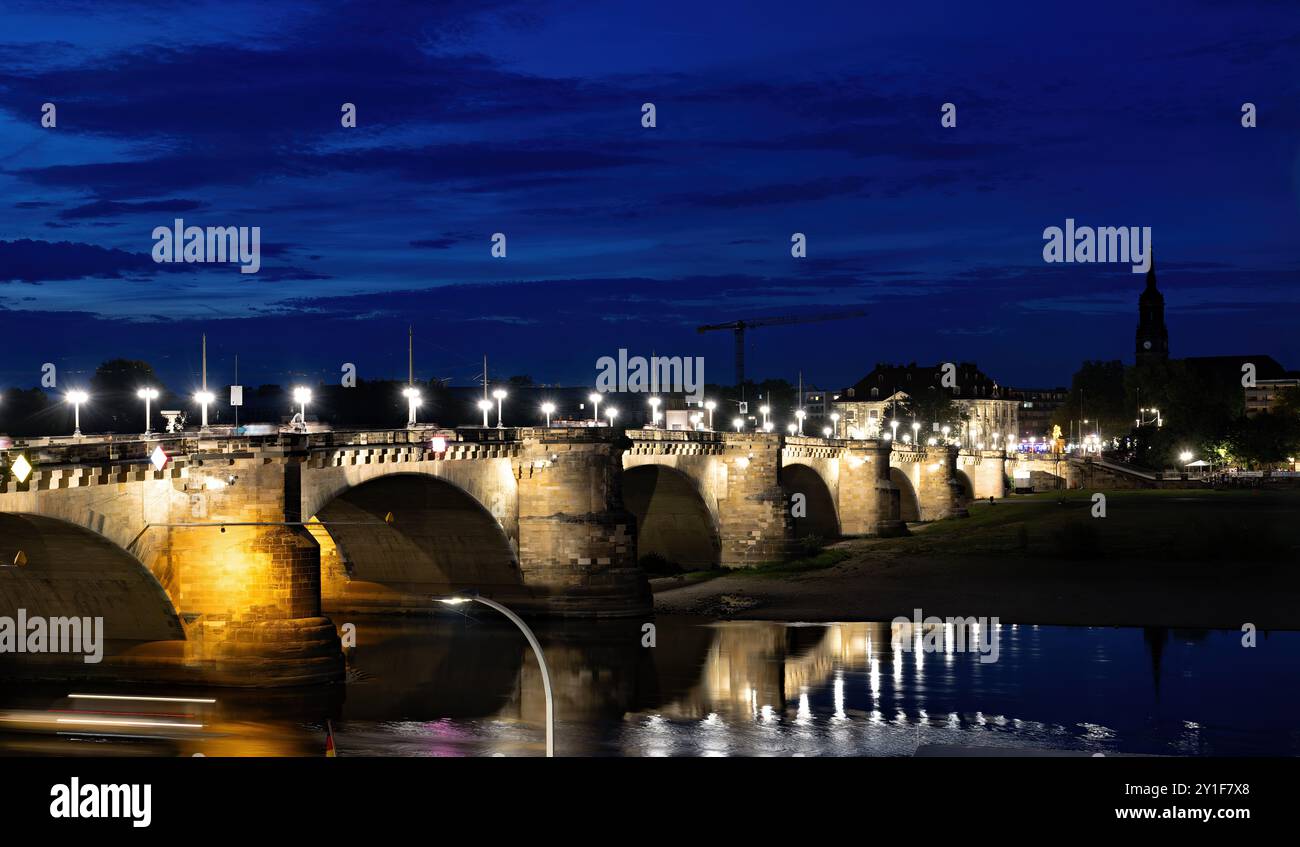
point(470, 686)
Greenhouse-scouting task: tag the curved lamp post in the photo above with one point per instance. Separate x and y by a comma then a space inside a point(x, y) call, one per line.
point(537, 649)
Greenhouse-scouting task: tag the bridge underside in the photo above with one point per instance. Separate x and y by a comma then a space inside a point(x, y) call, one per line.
point(74, 572)
point(672, 520)
point(441, 541)
point(818, 517)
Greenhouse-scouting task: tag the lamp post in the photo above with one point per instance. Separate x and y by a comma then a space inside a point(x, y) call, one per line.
point(548, 409)
point(738, 423)
point(835, 423)
point(611, 413)
point(893, 429)
point(484, 406)
point(537, 651)
point(791, 428)
point(916, 432)
point(301, 396)
point(412, 395)
point(76, 398)
point(148, 395)
point(654, 411)
point(799, 415)
point(594, 397)
point(205, 398)
point(767, 426)
point(499, 394)
point(826, 431)
point(710, 405)
point(765, 411)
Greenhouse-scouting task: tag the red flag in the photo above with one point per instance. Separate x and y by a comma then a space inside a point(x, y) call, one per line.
point(330, 752)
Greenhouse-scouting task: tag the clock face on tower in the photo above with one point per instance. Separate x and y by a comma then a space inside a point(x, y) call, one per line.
point(1146, 345)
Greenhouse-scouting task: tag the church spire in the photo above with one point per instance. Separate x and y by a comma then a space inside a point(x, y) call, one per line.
point(1152, 336)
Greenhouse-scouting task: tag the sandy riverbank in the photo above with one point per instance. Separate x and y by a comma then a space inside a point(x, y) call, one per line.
point(877, 586)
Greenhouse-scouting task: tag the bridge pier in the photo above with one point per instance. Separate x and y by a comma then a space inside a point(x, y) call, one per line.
point(754, 524)
point(869, 502)
point(986, 471)
point(249, 590)
point(932, 472)
point(577, 543)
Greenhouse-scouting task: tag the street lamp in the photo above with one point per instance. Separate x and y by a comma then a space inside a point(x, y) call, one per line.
point(791, 428)
point(1185, 457)
point(301, 396)
point(654, 411)
point(893, 428)
point(76, 398)
point(499, 394)
point(547, 409)
point(205, 398)
point(826, 431)
point(946, 429)
point(916, 432)
point(767, 426)
point(485, 406)
point(612, 413)
point(835, 422)
point(765, 411)
point(148, 395)
point(738, 423)
point(537, 651)
point(595, 406)
point(800, 414)
point(412, 395)
point(710, 405)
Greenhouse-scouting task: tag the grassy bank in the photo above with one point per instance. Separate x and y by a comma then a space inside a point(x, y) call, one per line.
point(1168, 526)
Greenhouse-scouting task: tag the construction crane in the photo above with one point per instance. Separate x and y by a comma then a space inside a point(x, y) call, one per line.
point(739, 327)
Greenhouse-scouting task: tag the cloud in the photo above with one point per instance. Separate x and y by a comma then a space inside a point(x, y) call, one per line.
point(109, 208)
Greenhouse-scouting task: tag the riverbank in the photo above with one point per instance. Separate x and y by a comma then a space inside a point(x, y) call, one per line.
point(1214, 560)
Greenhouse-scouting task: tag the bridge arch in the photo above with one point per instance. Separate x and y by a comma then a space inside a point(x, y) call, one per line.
point(71, 571)
point(821, 518)
point(909, 504)
point(441, 540)
point(673, 518)
point(965, 484)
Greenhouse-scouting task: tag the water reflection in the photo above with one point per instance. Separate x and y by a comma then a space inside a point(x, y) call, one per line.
point(470, 686)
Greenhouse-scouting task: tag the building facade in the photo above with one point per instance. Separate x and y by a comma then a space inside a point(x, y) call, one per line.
point(985, 414)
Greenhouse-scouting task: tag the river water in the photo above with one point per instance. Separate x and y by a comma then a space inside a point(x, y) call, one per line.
point(466, 683)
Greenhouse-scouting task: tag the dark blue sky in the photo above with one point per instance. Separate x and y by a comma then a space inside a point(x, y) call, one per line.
point(524, 118)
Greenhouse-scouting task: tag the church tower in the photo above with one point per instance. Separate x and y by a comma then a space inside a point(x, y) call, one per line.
point(1152, 337)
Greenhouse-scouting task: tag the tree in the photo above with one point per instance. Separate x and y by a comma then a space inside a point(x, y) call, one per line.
point(934, 405)
point(26, 412)
point(1097, 394)
point(113, 405)
point(1264, 439)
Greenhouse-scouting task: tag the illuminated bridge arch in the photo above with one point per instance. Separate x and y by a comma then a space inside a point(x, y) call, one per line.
point(70, 571)
point(440, 540)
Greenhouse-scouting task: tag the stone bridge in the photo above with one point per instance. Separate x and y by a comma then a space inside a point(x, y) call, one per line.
point(240, 546)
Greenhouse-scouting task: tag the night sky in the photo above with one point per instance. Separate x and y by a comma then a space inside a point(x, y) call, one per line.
point(525, 118)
